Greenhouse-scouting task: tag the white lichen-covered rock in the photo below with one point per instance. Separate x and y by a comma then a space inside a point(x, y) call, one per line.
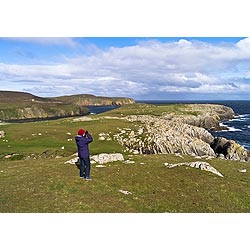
point(185, 133)
point(242, 170)
point(136, 152)
point(10, 156)
point(205, 166)
point(99, 159)
point(72, 161)
point(100, 166)
point(83, 119)
point(129, 162)
point(164, 136)
point(197, 164)
point(105, 158)
point(179, 155)
point(2, 134)
point(124, 192)
point(104, 136)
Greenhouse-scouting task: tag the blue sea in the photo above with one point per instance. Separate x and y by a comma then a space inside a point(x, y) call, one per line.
point(100, 109)
point(238, 128)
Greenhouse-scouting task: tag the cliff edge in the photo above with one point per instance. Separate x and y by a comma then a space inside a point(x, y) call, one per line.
point(184, 133)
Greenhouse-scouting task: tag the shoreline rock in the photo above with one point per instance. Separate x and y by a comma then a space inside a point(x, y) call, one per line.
point(209, 116)
point(166, 137)
point(183, 134)
point(230, 149)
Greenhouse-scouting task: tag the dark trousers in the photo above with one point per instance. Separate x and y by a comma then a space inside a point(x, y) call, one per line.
point(85, 167)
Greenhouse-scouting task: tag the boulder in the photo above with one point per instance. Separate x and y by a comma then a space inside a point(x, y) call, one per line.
point(124, 192)
point(100, 166)
point(242, 170)
point(2, 134)
point(230, 149)
point(129, 162)
point(105, 158)
point(72, 161)
point(100, 159)
point(197, 164)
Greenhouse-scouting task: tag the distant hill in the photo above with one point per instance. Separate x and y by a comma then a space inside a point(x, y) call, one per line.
point(13, 96)
point(91, 100)
point(21, 105)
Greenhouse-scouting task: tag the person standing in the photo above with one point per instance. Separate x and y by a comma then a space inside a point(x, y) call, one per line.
point(83, 139)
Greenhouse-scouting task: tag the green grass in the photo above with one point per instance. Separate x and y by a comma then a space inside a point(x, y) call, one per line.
point(37, 137)
point(149, 109)
point(45, 183)
point(52, 186)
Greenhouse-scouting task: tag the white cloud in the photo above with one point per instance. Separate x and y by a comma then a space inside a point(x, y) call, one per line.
point(244, 44)
point(65, 41)
point(148, 67)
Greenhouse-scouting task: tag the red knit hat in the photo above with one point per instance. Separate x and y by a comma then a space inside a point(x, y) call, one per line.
point(81, 131)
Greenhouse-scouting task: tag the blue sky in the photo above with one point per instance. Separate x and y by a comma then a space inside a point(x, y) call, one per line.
point(163, 68)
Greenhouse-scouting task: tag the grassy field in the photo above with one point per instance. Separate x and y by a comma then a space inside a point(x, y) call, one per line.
point(36, 179)
point(149, 109)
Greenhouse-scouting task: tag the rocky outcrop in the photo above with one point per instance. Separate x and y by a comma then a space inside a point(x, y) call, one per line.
point(207, 116)
point(158, 135)
point(105, 158)
point(102, 158)
point(197, 164)
point(31, 112)
point(183, 134)
point(230, 149)
point(204, 121)
point(91, 100)
point(41, 111)
point(105, 102)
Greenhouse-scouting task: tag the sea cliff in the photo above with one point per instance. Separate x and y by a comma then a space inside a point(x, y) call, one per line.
point(187, 133)
point(91, 100)
point(20, 105)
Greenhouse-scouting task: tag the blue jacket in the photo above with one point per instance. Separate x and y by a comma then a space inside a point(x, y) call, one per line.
point(82, 145)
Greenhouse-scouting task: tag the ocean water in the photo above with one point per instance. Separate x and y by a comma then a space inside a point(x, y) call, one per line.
point(238, 128)
point(100, 109)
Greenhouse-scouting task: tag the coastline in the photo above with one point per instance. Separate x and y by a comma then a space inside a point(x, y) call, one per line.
point(237, 128)
point(178, 128)
point(91, 111)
